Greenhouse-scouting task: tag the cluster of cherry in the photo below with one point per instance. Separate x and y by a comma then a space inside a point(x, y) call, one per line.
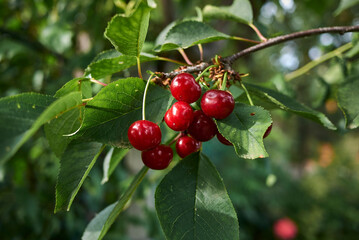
point(146, 136)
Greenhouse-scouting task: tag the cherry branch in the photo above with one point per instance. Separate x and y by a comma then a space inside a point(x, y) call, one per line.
point(288, 37)
point(228, 61)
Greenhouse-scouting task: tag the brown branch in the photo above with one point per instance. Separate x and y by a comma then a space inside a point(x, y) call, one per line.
point(288, 37)
point(228, 61)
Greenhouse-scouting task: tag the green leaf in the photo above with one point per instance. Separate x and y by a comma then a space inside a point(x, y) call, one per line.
point(192, 202)
point(76, 163)
point(112, 159)
point(345, 4)
point(128, 34)
point(110, 62)
point(189, 33)
point(70, 121)
point(245, 128)
point(348, 101)
point(274, 99)
point(240, 11)
point(82, 85)
point(22, 115)
point(58, 129)
point(99, 225)
point(111, 112)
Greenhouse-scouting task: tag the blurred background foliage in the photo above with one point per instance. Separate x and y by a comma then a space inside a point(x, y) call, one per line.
point(311, 175)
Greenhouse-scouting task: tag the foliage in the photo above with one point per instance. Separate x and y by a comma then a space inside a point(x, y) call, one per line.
point(87, 118)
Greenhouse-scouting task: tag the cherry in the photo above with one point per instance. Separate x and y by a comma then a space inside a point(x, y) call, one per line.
point(144, 135)
point(202, 127)
point(285, 229)
point(217, 103)
point(157, 158)
point(179, 116)
point(223, 139)
point(186, 145)
point(185, 88)
point(269, 129)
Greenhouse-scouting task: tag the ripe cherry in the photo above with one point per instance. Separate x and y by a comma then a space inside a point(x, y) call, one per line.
point(269, 129)
point(144, 135)
point(185, 88)
point(186, 145)
point(202, 127)
point(179, 116)
point(285, 229)
point(223, 139)
point(217, 103)
point(157, 158)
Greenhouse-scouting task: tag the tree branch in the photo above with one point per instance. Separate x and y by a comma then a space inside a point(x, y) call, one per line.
point(228, 61)
point(288, 37)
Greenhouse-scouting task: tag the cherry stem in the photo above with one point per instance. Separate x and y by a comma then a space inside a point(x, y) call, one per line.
point(171, 60)
point(245, 40)
point(185, 57)
point(200, 52)
point(259, 34)
point(175, 139)
point(98, 82)
point(224, 83)
point(139, 67)
point(247, 93)
point(204, 71)
point(144, 98)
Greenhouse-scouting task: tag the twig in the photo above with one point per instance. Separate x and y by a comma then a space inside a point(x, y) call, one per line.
point(228, 61)
point(288, 37)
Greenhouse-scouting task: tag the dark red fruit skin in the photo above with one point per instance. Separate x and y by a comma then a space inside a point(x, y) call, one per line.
point(202, 127)
point(217, 104)
point(157, 158)
point(269, 129)
point(179, 116)
point(185, 88)
point(223, 140)
point(144, 135)
point(186, 145)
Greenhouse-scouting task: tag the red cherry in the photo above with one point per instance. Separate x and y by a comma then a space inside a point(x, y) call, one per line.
point(202, 127)
point(179, 116)
point(185, 88)
point(269, 129)
point(223, 139)
point(186, 145)
point(217, 103)
point(285, 229)
point(144, 135)
point(157, 158)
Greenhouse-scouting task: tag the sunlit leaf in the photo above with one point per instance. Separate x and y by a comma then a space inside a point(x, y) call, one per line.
point(348, 101)
point(245, 128)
